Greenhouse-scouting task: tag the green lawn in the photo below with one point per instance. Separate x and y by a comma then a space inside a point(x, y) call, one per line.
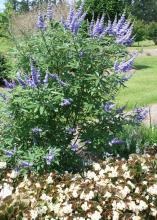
point(144, 44)
point(142, 87)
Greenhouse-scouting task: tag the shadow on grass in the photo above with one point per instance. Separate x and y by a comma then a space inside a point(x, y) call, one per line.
point(140, 67)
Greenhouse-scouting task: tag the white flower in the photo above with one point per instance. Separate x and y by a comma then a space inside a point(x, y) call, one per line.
point(101, 173)
point(131, 184)
point(115, 215)
point(67, 209)
point(3, 165)
point(124, 192)
point(95, 216)
point(75, 194)
point(124, 167)
point(91, 175)
point(13, 174)
point(96, 166)
point(107, 195)
point(6, 191)
point(88, 196)
point(136, 217)
point(49, 180)
point(34, 214)
point(38, 185)
point(137, 190)
point(42, 210)
point(152, 189)
point(45, 197)
point(142, 205)
point(120, 205)
point(154, 212)
point(132, 206)
point(85, 206)
point(99, 208)
point(127, 175)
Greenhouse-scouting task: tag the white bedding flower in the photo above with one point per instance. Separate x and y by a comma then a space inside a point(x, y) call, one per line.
point(136, 217)
point(85, 206)
point(124, 192)
point(45, 197)
point(142, 205)
point(49, 180)
point(6, 191)
point(115, 215)
point(95, 216)
point(154, 212)
point(75, 194)
point(91, 175)
point(152, 189)
point(3, 165)
point(34, 214)
point(107, 195)
point(67, 209)
point(96, 166)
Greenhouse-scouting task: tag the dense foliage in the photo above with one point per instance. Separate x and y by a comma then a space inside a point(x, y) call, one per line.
point(63, 114)
point(140, 31)
point(152, 32)
point(109, 8)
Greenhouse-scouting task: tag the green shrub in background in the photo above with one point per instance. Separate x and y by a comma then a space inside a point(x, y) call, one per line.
point(62, 115)
point(152, 32)
point(4, 67)
point(140, 31)
point(109, 8)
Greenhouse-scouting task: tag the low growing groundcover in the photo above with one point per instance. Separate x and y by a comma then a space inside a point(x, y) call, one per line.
point(111, 189)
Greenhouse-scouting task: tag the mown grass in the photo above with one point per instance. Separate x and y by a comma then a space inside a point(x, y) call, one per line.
point(141, 89)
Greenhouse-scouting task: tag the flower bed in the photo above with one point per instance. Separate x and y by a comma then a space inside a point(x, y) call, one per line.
point(112, 189)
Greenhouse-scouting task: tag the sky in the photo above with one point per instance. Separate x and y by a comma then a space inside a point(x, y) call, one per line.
point(2, 5)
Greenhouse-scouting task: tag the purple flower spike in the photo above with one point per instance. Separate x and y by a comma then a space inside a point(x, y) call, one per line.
point(66, 102)
point(36, 131)
point(74, 147)
point(49, 11)
point(71, 130)
point(46, 78)
point(140, 114)
point(50, 157)
point(34, 75)
point(87, 142)
point(9, 85)
point(116, 141)
point(26, 164)
point(74, 19)
point(9, 153)
point(21, 82)
point(124, 66)
point(108, 106)
point(40, 23)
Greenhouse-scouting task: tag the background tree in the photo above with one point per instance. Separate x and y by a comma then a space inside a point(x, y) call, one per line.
point(144, 10)
point(108, 7)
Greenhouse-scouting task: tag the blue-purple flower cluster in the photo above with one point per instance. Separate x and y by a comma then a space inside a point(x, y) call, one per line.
point(116, 141)
point(40, 23)
point(140, 114)
point(121, 29)
point(108, 106)
point(50, 157)
point(125, 65)
point(66, 102)
point(74, 19)
point(34, 80)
